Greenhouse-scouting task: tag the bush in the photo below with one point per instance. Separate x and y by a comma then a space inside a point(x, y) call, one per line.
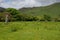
point(47, 18)
point(14, 29)
point(56, 19)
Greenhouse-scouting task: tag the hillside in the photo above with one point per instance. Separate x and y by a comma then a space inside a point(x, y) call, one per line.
point(2, 9)
point(52, 10)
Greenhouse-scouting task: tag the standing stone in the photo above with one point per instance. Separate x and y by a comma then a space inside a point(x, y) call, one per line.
point(6, 18)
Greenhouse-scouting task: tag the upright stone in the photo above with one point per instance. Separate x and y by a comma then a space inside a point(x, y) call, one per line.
point(6, 18)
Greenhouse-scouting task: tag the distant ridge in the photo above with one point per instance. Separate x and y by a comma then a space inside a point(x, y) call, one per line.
point(52, 10)
point(2, 9)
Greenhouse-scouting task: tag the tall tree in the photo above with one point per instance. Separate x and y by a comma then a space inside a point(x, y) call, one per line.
point(12, 11)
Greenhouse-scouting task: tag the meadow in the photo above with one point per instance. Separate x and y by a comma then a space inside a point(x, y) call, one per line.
point(30, 31)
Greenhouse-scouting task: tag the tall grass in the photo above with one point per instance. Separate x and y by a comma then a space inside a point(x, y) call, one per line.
point(30, 31)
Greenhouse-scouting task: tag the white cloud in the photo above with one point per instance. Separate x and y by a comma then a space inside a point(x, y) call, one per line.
point(31, 3)
point(1, 0)
point(24, 3)
point(45, 2)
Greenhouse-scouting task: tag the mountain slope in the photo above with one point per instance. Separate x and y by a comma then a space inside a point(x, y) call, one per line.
point(2, 9)
point(52, 10)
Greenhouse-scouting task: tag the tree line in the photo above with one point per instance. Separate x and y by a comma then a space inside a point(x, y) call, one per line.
point(16, 15)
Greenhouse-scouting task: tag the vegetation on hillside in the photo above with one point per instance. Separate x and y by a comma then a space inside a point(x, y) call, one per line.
point(48, 13)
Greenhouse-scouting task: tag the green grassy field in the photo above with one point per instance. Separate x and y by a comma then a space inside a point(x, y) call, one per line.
point(30, 31)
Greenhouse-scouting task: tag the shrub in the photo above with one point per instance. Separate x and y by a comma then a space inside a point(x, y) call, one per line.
point(14, 29)
point(47, 18)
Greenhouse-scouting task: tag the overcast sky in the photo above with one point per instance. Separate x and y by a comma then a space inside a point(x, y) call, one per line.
point(25, 3)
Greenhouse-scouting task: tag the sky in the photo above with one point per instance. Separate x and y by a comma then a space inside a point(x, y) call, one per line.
point(25, 3)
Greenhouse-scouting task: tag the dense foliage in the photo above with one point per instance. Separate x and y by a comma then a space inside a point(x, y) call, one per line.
point(49, 13)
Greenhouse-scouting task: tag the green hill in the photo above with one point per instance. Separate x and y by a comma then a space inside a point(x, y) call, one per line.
point(52, 10)
point(2, 9)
